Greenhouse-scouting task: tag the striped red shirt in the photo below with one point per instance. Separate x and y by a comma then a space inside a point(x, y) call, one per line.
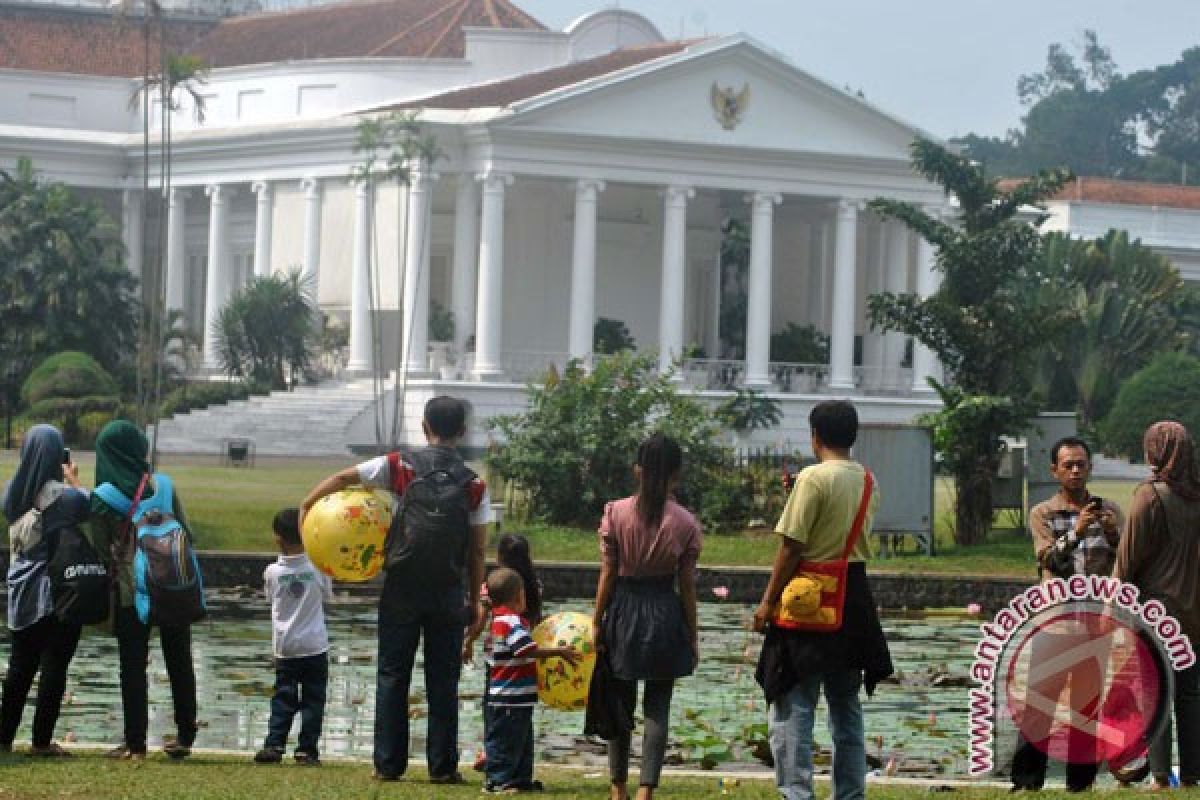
point(512, 667)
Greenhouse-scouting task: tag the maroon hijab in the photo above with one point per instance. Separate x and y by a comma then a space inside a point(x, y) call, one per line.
point(1171, 454)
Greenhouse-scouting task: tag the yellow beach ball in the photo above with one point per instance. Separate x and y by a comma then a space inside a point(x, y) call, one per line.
point(561, 685)
point(344, 534)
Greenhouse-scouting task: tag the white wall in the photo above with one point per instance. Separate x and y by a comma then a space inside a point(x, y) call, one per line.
point(43, 99)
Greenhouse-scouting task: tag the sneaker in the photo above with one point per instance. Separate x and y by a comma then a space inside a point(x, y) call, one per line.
point(307, 759)
point(453, 777)
point(123, 753)
point(268, 755)
point(531, 786)
point(495, 788)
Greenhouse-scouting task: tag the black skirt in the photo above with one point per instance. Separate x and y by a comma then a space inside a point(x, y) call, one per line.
point(645, 630)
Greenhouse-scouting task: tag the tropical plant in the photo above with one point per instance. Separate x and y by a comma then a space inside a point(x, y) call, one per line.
point(267, 332)
point(1127, 304)
point(63, 281)
point(749, 410)
point(1167, 388)
point(995, 306)
point(800, 344)
point(611, 336)
point(441, 323)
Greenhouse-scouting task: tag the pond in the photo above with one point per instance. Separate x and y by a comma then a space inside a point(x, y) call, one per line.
point(718, 714)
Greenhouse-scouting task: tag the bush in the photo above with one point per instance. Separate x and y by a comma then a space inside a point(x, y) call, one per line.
point(202, 395)
point(69, 374)
point(1165, 389)
point(800, 344)
point(611, 336)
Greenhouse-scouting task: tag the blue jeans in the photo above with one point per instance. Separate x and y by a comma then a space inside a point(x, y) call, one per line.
point(398, 641)
point(791, 727)
point(508, 741)
point(300, 686)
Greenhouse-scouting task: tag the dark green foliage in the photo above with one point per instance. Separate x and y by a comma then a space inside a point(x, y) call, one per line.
point(574, 449)
point(441, 323)
point(268, 331)
point(1165, 389)
point(611, 336)
point(67, 387)
point(735, 268)
point(996, 306)
point(202, 395)
point(800, 344)
point(749, 410)
point(63, 281)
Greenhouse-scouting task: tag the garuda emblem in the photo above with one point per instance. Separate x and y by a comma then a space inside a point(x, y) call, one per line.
point(728, 105)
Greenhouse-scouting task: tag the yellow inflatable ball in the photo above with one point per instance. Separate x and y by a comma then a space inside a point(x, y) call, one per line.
point(561, 685)
point(344, 533)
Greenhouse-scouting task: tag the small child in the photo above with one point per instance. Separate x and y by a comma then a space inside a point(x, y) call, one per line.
point(512, 687)
point(299, 643)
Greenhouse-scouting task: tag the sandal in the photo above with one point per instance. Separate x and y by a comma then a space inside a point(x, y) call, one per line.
point(123, 753)
point(51, 750)
point(176, 751)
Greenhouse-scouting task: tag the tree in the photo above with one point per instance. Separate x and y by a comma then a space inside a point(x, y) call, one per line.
point(611, 336)
point(268, 331)
point(1164, 389)
point(63, 281)
point(66, 386)
point(1126, 304)
point(994, 308)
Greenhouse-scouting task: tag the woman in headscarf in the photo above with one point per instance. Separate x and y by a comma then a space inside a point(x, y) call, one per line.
point(121, 461)
point(40, 641)
point(1159, 552)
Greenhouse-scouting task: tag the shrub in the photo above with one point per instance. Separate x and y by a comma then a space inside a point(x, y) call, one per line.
point(1164, 389)
point(67, 374)
point(750, 410)
point(202, 395)
point(800, 344)
point(268, 330)
point(611, 336)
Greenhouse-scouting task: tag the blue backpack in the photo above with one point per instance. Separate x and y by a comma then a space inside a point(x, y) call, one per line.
point(168, 587)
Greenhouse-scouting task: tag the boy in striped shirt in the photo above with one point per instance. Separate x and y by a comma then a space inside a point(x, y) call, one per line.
point(512, 689)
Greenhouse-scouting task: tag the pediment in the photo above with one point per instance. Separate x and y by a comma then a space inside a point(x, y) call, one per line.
point(671, 99)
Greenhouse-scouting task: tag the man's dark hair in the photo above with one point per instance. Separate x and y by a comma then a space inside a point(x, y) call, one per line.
point(503, 585)
point(1068, 441)
point(287, 526)
point(836, 422)
point(446, 417)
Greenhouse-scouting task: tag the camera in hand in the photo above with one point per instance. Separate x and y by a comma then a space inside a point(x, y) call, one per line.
point(66, 455)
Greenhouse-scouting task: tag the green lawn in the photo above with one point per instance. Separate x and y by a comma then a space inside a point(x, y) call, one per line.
point(231, 509)
point(224, 778)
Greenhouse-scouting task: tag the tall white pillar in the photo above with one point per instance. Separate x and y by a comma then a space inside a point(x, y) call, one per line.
point(489, 319)
point(217, 291)
point(133, 230)
point(925, 363)
point(872, 348)
point(816, 275)
point(312, 232)
point(176, 248)
point(360, 288)
point(712, 342)
point(895, 280)
point(583, 271)
point(466, 259)
point(841, 345)
point(758, 291)
point(672, 299)
point(262, 227)
point(414, 321)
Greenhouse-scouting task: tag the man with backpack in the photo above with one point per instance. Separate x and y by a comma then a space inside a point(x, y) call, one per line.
point(434, 568)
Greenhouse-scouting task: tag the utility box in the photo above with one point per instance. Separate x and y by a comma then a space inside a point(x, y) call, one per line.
point(1047, 428)
point(901, 457)
point(1008, 489)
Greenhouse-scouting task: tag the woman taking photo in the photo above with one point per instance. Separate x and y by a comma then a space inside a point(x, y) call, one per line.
point(40, 641)
point(647, 541)
point(1159, 552)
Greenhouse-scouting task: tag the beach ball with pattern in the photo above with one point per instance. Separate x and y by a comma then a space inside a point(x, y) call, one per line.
point(561, 685)
point(344, 534)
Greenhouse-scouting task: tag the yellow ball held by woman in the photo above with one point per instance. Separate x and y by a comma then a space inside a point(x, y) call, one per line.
point(344, 534)
point(561, 685)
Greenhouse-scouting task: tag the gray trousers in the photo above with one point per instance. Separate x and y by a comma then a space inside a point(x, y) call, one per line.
point(656, 709)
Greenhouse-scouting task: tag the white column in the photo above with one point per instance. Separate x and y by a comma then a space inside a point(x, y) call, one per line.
point(583, 271)
point(872, 349)
point(217, 291)
point(712, 342)
point(895, 280)
point(466, 255)
point(816, 274)
point(262, 227)
point(841, 345)
point(489, 319)
point(925, 363)
point(176, 248)
point(132, 230)
point(414, 322)
point(758, 291)
point(360, 288)
point(671, 301)
point(312, 232)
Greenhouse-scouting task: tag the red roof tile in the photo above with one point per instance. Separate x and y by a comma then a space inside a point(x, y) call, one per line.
point(506, 92)
point(1133, 193)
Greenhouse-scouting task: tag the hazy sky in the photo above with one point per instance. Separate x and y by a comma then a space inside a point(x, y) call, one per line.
point(948, 66)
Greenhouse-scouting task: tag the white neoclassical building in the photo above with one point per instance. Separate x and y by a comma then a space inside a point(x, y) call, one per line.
point(583, 174)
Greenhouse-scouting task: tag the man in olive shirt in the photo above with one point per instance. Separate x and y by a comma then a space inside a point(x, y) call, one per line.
point(795, 665)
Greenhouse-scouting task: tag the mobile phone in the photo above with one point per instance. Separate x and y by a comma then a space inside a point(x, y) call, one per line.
point(66, 455)
point(1096, 503)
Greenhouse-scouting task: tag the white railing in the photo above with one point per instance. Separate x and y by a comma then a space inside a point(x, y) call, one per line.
point(712, 373)
point(884, 380)
point(523, 366)
point(792, 378)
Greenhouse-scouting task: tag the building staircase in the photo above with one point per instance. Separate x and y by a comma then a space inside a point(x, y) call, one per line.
point(307, 421)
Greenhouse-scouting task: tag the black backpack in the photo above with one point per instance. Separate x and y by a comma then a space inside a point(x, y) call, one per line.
point(80, 586)
point(431, 529)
